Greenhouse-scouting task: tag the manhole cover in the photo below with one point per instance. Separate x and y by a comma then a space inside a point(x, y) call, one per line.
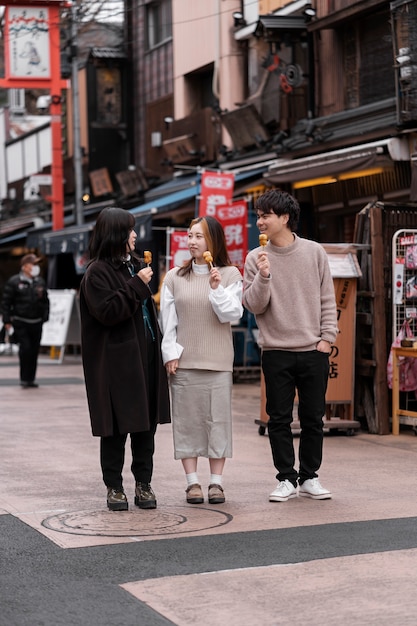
point(137, 523)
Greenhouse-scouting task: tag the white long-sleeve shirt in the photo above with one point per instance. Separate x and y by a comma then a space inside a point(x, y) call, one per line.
point(204, 322)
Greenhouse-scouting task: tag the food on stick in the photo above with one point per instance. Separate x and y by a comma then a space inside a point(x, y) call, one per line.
point(208, 258)
point(147, 257)
point(263, 240)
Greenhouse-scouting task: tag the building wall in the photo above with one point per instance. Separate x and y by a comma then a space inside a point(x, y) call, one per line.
point(268, 6)
point(203, 37)
point(152, 70)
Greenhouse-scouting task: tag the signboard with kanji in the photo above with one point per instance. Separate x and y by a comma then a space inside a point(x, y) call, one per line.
point(216, 189)
point(178, 248)
point(100, 182)
point(27, 37)
point(233, 217)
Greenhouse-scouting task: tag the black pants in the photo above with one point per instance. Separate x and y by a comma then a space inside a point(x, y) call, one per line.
point(29, 338)
point(112, 456)
point(112, 449)
point(285, 372)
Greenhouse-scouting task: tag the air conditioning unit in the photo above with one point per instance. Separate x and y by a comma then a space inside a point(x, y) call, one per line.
point(17, 101)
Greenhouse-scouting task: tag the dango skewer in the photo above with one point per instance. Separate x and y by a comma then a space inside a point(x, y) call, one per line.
point(208, 259)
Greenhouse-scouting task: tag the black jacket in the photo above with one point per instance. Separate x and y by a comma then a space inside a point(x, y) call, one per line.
point(114, 351)
point(25, 299)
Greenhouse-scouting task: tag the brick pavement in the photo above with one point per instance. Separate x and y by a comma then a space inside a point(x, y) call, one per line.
point(238, 561)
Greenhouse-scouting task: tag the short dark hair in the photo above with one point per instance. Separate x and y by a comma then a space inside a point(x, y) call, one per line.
point(111, 234)
point(280, 203)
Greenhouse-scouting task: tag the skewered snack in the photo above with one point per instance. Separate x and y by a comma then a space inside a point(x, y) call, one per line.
point(147, 257)
point(208, 258)
point(263, 240)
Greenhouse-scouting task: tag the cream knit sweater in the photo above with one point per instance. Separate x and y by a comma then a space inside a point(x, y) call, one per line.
point(207, 343)
point(296, 306)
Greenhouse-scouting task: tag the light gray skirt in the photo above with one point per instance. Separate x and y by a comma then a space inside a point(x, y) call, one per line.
point(201, 413)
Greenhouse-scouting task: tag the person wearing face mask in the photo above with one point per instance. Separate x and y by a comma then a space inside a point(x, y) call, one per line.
point(25, 310)
point(126, 382)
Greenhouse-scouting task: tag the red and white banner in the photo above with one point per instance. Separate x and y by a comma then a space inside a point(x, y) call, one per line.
point(216, 189)
point(178, 248)
point(234, 217)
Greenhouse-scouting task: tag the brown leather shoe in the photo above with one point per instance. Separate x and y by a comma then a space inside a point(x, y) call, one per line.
point(194, 494)
point(216, 494)
point(116, 499)
point(144, 496)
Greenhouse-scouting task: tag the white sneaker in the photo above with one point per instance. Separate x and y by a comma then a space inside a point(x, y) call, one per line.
point(283, 492)
point(311, 488)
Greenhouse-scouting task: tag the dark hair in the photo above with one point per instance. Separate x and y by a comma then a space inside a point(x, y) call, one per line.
point(280, 203)
point(216, 243)
point(111, 234)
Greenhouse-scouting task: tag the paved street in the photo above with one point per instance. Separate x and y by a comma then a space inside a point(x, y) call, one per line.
point(65, 560)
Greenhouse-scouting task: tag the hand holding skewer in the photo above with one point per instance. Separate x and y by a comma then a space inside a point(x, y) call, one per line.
point(215, 276)
point(263, 261)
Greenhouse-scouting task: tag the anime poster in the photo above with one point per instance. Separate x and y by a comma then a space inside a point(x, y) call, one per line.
point(28, 42)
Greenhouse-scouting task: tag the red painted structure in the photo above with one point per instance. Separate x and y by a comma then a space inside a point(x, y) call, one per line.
point(52, 81)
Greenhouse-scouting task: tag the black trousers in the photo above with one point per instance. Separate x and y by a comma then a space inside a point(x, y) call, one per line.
point(142, 444)
point(112, 456)
point(29, 338)
point(285, 372)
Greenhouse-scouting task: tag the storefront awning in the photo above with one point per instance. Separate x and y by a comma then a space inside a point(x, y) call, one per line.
point(366, 157)
point(175, 199)
point(75, 239)
point(170, 200)
point(291, 20)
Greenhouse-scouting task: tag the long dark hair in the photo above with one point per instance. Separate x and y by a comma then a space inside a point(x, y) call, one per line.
point(216, 243)
point(111, 234)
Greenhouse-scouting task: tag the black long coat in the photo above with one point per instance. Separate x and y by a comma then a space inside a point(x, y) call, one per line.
point(114, 351)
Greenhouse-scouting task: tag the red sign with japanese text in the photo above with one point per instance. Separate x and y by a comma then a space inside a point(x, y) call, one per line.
point(233, 217)
point(216, 189)
point(179, 252)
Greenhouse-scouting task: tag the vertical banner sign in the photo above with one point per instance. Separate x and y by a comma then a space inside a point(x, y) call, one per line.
point(216, 189)
point(178, 248)
point(234, 217)
point(27, 34)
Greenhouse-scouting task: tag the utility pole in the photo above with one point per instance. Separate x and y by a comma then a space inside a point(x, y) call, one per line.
point(78, 169)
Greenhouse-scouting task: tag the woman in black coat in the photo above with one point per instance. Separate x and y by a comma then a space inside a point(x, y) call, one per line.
point(126, 382)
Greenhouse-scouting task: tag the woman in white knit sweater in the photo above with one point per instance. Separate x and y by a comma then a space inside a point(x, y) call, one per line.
point(199, 301)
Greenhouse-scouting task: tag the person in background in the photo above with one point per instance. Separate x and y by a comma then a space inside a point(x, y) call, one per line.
point(289, 288)
point(199, 301)
point(25, 310)
point(126, 382)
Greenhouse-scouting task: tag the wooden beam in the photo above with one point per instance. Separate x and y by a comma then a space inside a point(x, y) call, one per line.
point(380, 351)
point(334, 19)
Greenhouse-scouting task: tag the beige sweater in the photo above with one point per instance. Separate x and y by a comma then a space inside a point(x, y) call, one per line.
point(207, 343)
point(296, 307)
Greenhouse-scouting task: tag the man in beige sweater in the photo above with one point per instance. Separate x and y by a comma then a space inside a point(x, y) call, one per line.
point(289, 288)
